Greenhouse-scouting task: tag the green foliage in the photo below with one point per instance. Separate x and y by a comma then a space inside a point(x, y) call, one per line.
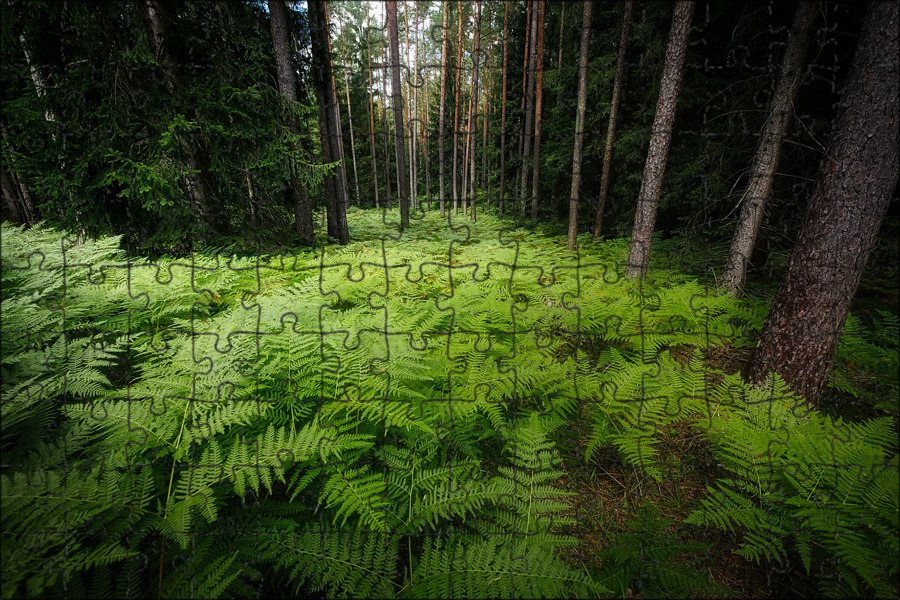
point(381, 420)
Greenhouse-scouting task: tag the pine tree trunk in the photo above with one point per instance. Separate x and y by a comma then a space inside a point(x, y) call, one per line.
point(385, 125)
point(768, 152)
point(529, 99)
point(459, 51)
point(371, 91)
point(441, 130)
point(655, 167)
point(473, 113)
point(575, 190)
point(562, 26)
point(527, 55)
point(503, 109)
point(538, 110)
point(613, 117)
point(487, 97)
point(329, 122)
point(397, 103)
point(287, 87)
point(856, 179)
point(409, 108)
point(350, 120)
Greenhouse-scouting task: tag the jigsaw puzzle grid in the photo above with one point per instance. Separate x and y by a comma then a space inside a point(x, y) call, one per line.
point(312, 352)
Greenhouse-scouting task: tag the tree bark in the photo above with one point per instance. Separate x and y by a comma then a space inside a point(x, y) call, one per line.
point(522, 104)
point(397, 103)
point(655, 167)
point(538, 113)
point(385, 125)
point(856, 179)
point(329, 122)
point(473, 110)
point(768, 152)
point(441, 130)
point(529, 99)
point(409, 108)
point(503, 109)
point(459, 50)
point(350, 120)
point(371, 110)
point(287, 87)
point(562, 25)
point(200, 181)
point(575, 190)
point(613, 117)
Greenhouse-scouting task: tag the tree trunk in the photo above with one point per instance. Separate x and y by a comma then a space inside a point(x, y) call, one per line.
point(562, 25)
point(385, 125)
point(655, 167)
point(350, 119)
point(459, 51)
point(329, 122)
point(503, 109)
point(768, 152)
point(397, 103)
point(856, 179)
point(409, 108)
point(287, 86)
point(473, 111)
point(487, 97)
point(200, 182)
point(579, 125)
point(613, 116)
point(441, 131)
point(522, 104)
point(371, 110)
point(538, 109)
point(529, 98)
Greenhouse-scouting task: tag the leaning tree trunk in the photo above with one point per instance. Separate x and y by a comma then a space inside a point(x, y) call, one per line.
point(503, 109)
point(287, 86)
point(371, 111)
point(329, 123)
point(444, 47)
point(768, 152)
point(655, 167)
point(575, 190)
point(529, 100)
point(538, 110)
point(397, 103)
point(856, 179)
point(613, 116)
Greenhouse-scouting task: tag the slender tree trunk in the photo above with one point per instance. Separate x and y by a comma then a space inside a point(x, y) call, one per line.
point(529, 41)
point(575, 190)
point(503, 109)
point(385, 125)
point(14, 187)
point(487, 97)
point(371, 110)
point(768, 152)
point(459, 51)
point(409, 108)
point(538, 110)
point(287, 87)
point(350, 119)
point(562, 25)
point(613, 117)
point(655, 167)
point(473, 112)
point(441, 130)
point(529, 100)
point(397, 103)
point(856, 179)
point(329, 121)
point(200, 181)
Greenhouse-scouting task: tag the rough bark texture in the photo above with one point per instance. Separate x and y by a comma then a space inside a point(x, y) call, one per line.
point(529, 101)
point(200, 182)
point(329, 122)
point(655, 167)
point(503, 109)
point(538, 113)
point(856, 178)
point(575, 190)
point(287, 86)
point(397, 103)
point(613, 116)
point(768, 152)
point(371, 110)
point(445, 43)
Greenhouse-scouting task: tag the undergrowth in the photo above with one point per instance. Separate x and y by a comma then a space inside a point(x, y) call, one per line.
point(382, 420)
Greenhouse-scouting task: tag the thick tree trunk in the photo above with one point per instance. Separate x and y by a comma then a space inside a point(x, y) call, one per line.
point(441, 130)
point(503, 109)
point(655, 167)
point(613, 117)
point(856, 178)
point(459, 51)
point(329, 122)
point(575, 190)
point(768, 152)
point(538, 113)
point(200, 182)
point(397, 103)
point(287, 86)
point(371, 110)
point(529, 99)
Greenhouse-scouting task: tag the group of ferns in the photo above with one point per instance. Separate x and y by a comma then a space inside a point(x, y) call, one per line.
point(206, 427)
